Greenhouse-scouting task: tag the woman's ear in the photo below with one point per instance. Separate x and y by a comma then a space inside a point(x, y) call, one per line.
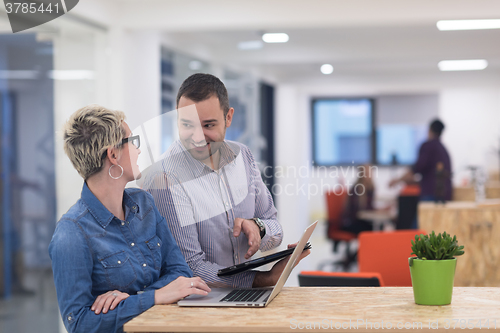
point(113, 155)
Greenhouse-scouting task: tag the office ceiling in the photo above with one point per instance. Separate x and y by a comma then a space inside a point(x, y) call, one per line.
point(355, 52)
point(392, 42)
point(366, 41)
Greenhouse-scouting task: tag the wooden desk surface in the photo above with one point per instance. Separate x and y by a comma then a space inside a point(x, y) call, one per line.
point(468, 194)
point(457, 205)
point(331, 308)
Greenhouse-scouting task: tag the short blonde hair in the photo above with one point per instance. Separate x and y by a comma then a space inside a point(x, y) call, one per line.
point(88, 134)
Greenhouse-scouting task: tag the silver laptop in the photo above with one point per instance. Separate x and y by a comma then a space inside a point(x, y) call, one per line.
point(252, 297)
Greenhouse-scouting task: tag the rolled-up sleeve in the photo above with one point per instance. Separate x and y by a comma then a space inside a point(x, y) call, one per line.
point(175, 205)
point(200, 206)
point(264, 208)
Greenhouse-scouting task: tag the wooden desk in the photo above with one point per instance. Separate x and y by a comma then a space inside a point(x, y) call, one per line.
point(468, 194)
point(381, 219)
point(295, 307)
point(477, 227)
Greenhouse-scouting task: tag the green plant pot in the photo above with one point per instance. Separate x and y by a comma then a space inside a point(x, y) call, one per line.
point(432, 280)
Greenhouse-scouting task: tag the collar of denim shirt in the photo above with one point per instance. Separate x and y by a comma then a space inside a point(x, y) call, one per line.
point(97, 209)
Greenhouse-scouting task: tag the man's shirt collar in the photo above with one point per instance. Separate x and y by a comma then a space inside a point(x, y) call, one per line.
point(227, 155)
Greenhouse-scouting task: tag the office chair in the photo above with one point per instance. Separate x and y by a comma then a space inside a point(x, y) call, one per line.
point(339, 279)
point(387, 253)
point(407, 207)
point(335, 204)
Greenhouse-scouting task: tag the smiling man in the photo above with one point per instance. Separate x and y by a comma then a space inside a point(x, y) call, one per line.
point(211, 192)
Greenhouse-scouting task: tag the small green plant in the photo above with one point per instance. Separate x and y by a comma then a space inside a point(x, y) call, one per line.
point(432, 247)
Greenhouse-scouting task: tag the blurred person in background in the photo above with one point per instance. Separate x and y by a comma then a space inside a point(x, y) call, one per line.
point(433, 158)
point(359, 198)
point(434, 165)
point(113, 256)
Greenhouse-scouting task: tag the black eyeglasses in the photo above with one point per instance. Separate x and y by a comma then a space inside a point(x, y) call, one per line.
point(136, 140)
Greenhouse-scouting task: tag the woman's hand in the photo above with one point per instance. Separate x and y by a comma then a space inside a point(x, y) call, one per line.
point(108, 301)
point(180, 288)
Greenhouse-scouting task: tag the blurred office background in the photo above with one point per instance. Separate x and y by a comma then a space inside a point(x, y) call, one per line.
point(132, 55)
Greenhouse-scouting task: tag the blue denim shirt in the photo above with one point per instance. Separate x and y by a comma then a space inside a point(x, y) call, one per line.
point(93, 252)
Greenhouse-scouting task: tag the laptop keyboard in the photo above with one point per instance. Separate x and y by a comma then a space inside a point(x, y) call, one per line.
point(243, 295)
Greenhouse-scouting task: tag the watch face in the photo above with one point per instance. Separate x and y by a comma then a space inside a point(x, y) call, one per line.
point(259, 223)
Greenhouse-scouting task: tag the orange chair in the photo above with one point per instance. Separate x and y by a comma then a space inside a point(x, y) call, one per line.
point(387, 253)
point(339, 279)
point(335, 203)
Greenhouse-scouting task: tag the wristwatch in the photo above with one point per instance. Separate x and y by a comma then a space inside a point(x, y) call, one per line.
point(261, 226)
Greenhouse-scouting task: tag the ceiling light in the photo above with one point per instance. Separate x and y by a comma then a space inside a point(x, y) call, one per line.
point(326, 69)
point(251, 45)
point(275, 38)
point(468, 24)
point(462, 65)
point(195, 65)
point(18, 75)
point(71, 75)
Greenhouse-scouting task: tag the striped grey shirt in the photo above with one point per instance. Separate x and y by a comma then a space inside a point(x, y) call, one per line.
point(200, 206)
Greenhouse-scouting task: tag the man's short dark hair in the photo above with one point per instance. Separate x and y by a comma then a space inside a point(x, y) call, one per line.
point(437, 127)
point(199, 87)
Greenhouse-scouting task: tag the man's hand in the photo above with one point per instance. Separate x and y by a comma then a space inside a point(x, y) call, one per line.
point(394, 182)
point(269, 278)
point(251, 230)
point(108, 301)
point(408, 177)
point(180, 288)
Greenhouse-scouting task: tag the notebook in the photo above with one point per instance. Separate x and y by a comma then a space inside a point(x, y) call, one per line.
point(251, 297)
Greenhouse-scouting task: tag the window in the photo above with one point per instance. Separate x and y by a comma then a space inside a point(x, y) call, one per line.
point(343, 131)
point(398, 143)
point(402, 126)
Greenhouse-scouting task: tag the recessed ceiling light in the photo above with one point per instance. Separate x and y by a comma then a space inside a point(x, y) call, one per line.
point(326, 69)
point(76, 74)
point(251, 45)
point(19, 75)
point(275, 38)
point(462, 65)
point(445, 25)
point(195, 65)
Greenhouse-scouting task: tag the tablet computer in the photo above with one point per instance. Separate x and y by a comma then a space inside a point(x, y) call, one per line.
point(231, 270)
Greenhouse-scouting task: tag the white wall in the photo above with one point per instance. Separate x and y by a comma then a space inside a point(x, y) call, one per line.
point(70, 96)
point(292, 151)
point(472, 133)
point(127, 77)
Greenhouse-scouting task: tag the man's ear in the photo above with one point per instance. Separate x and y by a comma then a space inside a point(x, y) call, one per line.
point(229, 117)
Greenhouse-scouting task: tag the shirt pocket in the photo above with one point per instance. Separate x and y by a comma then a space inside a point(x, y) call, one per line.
point(154, 245)
point(119, 271)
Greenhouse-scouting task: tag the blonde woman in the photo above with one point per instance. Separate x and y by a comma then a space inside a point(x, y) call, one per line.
point(112, 253)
